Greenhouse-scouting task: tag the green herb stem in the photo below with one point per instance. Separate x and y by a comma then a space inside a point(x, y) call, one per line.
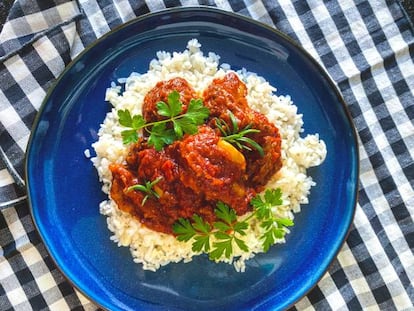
point(146, 188)
point(237, 137)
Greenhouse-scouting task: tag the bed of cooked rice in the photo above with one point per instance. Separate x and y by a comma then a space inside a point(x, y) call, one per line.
point(154, 249)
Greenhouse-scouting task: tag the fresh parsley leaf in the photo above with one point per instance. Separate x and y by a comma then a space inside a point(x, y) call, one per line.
point(161, 136)
point(125, 118)
point(166, 131)
point(271, 234)
point(183, 229)
point(172, 108)
point(200, 225)
point(221, 235)
point(129, 136)
point(185, 125)
point(197, 229)
point(188, 123)
point(225, 232)
point(197, 112)
point(267, 240)
point(201, 243)
point(221, 226)
point(134, 122)
point(241, 244)
point(221, 248)
point(225, 213)
point(138, 121)
point(284, 222)
point(274, 227)
point(241, 227)
point(273, 196)
point(221, 238)
point(262, 210)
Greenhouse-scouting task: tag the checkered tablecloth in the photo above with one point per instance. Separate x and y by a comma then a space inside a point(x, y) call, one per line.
point(367, 47)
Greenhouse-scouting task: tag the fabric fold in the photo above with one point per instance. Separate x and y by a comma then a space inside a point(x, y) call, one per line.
point(365, 46)
point(30, 20)
point(27, 71)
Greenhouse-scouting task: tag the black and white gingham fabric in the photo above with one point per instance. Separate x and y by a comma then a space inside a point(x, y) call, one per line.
point(367, 47)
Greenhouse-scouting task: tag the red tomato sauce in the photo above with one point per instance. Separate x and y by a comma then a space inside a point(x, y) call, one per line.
point(199, 170)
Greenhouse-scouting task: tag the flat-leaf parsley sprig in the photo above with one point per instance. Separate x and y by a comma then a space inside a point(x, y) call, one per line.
point(168, 130)
point(274, 227)
point(226, 232)
point(222, 236)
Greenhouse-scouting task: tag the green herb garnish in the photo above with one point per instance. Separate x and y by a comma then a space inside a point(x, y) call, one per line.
point(228, 228)
point(220, 238)
point(237, 137)
point(274, 226)
point(166, 131)
point(225, 231)
point(134, 122)
point(146, 188)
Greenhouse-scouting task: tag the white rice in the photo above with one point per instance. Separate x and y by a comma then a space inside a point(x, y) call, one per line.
point(154, 249)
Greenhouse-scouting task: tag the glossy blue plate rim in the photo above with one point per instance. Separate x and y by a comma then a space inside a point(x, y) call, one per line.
point(45, 182)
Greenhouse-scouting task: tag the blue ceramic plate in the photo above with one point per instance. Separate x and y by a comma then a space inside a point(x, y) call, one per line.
point(64, 190)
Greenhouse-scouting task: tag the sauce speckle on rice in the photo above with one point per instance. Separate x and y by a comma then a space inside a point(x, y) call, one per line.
point(201, 191)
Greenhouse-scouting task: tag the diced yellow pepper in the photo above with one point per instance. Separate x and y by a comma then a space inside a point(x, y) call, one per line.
point(232, 153)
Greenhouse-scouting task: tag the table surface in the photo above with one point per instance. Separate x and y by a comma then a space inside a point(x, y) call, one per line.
point(5, 6)
point(367, 48)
